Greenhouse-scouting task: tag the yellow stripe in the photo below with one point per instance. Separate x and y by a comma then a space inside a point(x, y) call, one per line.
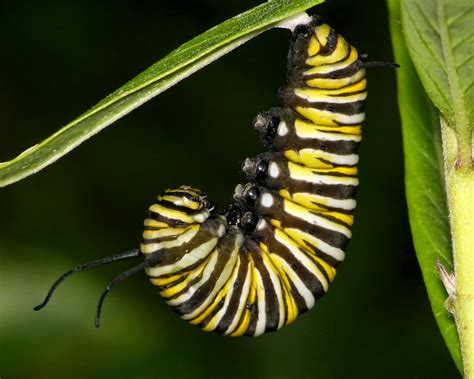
point(171, 213)
point(304, 129)
point(328, 83)
point(298, 171)
point(182, 285)
point(302, 198)
point(300, 253)
point(167, 232)
point(322, 32)
point(191, 191)
point(244, 324)
point(308, 200)
point(361, 85)
point(212, 324)
point(339, 53)
point(271, 267)
point(292, 309)
point(241, 307)
point(331, 271)
point(315, 218)
point(312, 158)
point(306, 158)
point(220, 295)
point(341, 64)
point(289, 236)
point(313, 46)
point(165, 281)
point(317, 116)
point(315, 95)
point(149, 222)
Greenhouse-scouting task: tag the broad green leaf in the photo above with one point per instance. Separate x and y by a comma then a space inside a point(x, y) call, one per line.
point(440, 38)
point(426, 196)
point(168, 71)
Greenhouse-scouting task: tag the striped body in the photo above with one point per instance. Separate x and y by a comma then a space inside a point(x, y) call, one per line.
point(266, 260)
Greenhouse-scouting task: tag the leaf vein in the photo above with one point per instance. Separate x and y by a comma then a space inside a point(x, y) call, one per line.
point(426, 44)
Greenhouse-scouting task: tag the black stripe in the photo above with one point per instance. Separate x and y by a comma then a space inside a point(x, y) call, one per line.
point(345, 72)
point(225, 246)
point(347, 108)
point(292, 100)
point(169, 285)
point(184, 194)
point(309, 280)
point(276, 211)
point(168, 256)
point(331, 43)
point(181, 208)
point(272, 305)
point(339, 147)
point(231, 311)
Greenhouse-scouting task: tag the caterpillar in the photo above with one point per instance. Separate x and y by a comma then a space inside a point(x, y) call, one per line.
point(273, 253)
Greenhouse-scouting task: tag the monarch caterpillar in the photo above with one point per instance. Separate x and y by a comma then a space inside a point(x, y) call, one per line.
point(260, 264)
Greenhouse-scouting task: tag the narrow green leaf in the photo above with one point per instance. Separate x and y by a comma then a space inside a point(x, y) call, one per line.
point(426, 197)
point(176, 66)
point(440, 39)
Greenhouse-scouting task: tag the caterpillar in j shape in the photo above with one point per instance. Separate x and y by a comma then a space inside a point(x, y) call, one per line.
point(257, 266)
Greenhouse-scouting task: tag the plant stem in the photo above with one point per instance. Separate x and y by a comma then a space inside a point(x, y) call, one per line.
point(460, 190)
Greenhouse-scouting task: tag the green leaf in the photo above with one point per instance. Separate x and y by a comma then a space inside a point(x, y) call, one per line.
point(440, 39)
point(426, 196)
point(179, 64)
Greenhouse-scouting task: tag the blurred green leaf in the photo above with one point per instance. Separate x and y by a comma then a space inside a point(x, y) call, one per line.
point(182, 62)
point(426, 196)
point(440, 39)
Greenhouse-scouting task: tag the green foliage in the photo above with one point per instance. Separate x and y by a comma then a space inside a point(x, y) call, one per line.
point(436, 39)
point(176, 66)
point(440, 39)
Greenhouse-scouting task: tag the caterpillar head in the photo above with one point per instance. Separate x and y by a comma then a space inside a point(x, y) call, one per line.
point(175, 210)
point(180, 206)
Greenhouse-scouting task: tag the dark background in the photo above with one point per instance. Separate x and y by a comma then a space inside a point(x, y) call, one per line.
point(59, 58)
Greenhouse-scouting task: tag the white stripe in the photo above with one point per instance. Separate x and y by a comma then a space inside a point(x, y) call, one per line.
point(190, 258)
point(218, 316)
point(315, 96)
point(223, 277)
point(204, 278)
point(279, 294)
point(340, 159)
point(304, 259)
point(308, 175)
point(182, 239)
point(348, 119)
point(314, 219)
point(317, 243)
point(347, 204)
point(326, 136)
point(300, 286)
point(242, 301)
point(262, 313)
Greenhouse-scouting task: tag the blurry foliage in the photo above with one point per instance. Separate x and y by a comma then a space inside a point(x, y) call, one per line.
point(434, 43)
point(425, 186)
